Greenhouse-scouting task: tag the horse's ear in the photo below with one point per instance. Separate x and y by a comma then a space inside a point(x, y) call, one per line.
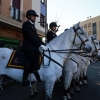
point(94, 36)
point(77, 25)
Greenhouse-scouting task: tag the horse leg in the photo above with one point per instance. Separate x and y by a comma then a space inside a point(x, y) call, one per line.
point(85, 76)
point(48, 89)
point(33, 90)
point(80, 78)
point(1, 79)
point(77, 84)
point(67, 81)
point(72, 86)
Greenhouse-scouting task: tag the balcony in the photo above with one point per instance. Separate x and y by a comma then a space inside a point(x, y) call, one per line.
point(13, 19)
point(16, 14)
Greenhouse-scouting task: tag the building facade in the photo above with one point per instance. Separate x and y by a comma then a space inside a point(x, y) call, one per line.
point(92, 26)
point(12, 16)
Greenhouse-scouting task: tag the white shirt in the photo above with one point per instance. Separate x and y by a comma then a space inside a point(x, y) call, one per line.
point(53, 31)
point(31, 22)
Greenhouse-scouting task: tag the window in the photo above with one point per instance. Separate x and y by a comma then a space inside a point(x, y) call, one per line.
point(85, 26)
point(16, 4)
point(94, 28)
point(86, 31)
point(89, 25)
point(89, 32)
point(42, 20)
point(15, 12)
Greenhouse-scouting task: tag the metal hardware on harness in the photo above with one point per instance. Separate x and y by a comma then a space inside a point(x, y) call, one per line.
point(52, 60)
point(49, 59)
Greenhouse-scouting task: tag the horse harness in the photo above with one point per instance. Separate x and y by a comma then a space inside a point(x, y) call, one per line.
point(60, 51)
point(74, 60)
point(83, 61)
point(76, 34)
point(50, 59)
point(96, 50)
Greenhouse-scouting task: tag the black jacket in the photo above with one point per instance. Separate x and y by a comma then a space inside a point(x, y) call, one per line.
point(50, 36)
point(31, 41)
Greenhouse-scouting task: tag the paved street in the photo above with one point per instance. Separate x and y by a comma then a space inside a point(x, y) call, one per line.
point(89, 92)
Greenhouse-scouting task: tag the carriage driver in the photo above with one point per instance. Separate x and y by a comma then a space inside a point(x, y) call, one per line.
point(30, 45)
point(52, 33)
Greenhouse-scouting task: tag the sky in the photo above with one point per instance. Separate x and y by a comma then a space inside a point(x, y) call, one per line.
point(68, 12)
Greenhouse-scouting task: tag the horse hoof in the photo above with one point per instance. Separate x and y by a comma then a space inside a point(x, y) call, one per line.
point(80, 83)
point(1, 89)
point(78, 90)
point(72, 92)
point(64, 98)
point(35, 93)
point(68, 96)
point(85, 82)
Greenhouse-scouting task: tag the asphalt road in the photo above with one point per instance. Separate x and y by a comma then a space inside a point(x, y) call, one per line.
point(89, 92)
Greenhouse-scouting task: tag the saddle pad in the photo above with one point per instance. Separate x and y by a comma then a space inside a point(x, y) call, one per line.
point(17, 60)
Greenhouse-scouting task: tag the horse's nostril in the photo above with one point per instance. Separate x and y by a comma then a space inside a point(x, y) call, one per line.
point(90, 49)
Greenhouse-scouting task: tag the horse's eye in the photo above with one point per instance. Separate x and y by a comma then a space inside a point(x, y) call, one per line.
point(81, 33)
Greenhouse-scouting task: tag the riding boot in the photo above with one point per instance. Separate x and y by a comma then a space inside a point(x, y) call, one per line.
point(25, 80)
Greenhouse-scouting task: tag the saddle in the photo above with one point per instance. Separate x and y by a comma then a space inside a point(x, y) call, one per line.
point(18, 60)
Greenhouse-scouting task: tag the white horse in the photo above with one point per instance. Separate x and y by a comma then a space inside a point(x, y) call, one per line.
point(51, 73)
point(86, 60)
point(74, 66)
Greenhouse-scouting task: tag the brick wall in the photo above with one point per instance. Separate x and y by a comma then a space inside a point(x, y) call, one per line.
point(27, 5)
point(5, 8)
point(9, 33)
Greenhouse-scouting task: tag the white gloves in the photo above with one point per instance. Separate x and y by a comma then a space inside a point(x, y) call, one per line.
point(44, 47)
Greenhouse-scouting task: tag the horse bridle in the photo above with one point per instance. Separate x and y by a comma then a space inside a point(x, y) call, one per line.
point(96, 50)
point(76, 34)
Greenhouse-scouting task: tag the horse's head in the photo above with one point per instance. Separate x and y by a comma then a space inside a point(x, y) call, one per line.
point(95, 46)
point(81, 38)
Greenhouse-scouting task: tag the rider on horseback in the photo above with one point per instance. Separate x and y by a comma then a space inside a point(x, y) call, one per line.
point(30, 45)
point(52, 33)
